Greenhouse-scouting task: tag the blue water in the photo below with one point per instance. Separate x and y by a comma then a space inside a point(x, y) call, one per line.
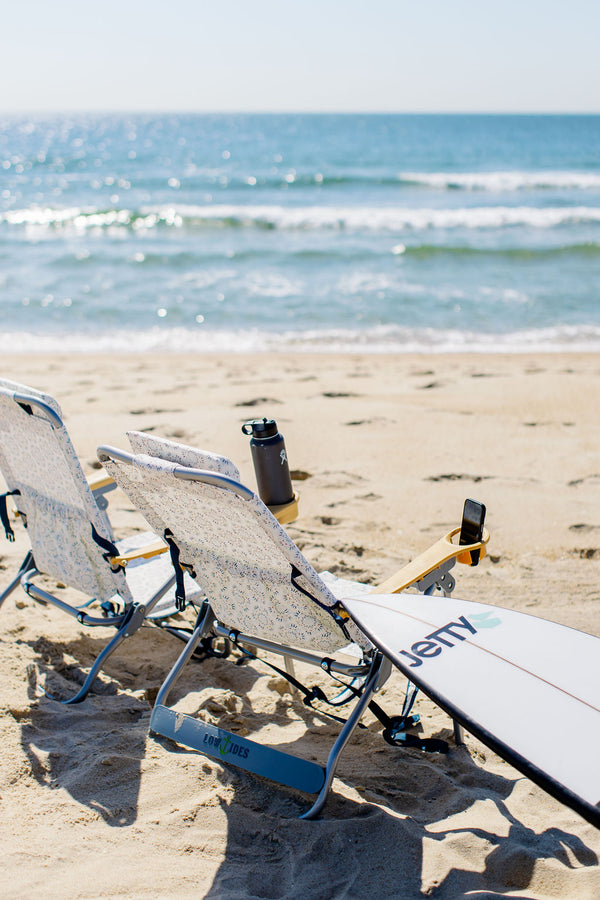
point(297, 232)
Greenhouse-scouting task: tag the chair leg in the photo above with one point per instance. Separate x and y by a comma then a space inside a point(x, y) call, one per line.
point(26, 564)
point(127, 623)
point(459, 735)
point(131, 624)
point(290, 669)
point(204, 622)
point(344, 736)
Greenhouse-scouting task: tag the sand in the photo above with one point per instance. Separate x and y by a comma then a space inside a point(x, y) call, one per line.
point(387, 448)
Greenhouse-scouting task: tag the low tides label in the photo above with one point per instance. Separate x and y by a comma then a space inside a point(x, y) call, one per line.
point(226, 746)
point(434, 643)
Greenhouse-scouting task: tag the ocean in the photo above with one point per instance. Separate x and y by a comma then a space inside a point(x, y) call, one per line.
point(370, 233)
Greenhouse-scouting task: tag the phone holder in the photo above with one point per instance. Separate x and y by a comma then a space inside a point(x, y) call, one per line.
point(433, 565)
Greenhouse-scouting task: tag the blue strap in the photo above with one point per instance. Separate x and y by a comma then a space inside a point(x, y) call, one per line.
point(332, 610)
point(8, 532)
point(427, 745)
point(179, 568)
point(108, 547)
point(409, 701)
point(395, 733)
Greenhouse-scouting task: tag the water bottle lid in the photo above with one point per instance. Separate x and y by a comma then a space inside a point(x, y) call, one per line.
point(260, 429)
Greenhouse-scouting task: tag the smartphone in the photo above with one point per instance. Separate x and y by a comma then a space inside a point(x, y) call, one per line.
point(471, 529)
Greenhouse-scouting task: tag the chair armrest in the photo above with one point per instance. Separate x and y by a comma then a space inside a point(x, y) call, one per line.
point(439, 553)
point(101, 483)
point(147, 552)
point(286, 512)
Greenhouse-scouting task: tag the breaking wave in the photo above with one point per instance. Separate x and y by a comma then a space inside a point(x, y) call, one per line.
point(503, 181)
point(381, 219)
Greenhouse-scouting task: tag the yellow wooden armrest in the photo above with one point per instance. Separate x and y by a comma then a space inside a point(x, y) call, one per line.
point(286, 512)
point(101, 481)
point(147, 552)
point(431, 559)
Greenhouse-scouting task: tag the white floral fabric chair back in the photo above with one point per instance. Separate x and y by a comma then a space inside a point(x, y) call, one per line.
point(172, 451)
point(38, 459)
point(242, 558)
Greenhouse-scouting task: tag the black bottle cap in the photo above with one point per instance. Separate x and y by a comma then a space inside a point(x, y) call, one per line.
point(260, 429)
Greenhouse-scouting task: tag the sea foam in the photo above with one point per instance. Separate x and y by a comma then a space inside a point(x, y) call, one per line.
point(500, 182)
point(384, 219)
point(379, 339)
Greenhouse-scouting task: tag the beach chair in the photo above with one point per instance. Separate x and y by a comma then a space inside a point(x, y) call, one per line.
point(129, 582)
point(264, 596)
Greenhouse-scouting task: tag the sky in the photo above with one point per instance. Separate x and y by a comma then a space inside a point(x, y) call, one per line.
point(313, 55)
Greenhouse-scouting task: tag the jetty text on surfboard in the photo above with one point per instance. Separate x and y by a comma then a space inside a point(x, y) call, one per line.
point(435, 642)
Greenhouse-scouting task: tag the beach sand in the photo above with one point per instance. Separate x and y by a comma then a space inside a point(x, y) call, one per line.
point(387, 448)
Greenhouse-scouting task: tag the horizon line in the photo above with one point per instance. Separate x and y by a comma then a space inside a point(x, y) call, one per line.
point(292, 112)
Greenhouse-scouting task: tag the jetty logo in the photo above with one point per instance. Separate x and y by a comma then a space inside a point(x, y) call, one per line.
point(226, 746)
point(486, 619)
point(448, 636)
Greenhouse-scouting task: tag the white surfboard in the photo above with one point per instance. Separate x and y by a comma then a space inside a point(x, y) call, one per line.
point(527, 688)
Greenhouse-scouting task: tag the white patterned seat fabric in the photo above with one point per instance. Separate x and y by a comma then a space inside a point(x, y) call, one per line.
point(242, 558)
point(66, 527)
point(38, 459)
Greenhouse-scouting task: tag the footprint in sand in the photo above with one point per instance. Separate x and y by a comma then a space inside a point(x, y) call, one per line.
point(583, 528)
point(180, 387)
point(177, 434)
point(454, 476)
point(579, 481)
point(354, 549)
point(329, 520)
point(258, 401)
point(344, 570)
point(333, 395)
point(299, 475)
point(586, 552)
point(378, 420)
point(341, 479)
point(152, 411)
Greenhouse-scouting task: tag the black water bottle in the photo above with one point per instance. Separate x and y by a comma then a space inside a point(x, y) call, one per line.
point(270, 462)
